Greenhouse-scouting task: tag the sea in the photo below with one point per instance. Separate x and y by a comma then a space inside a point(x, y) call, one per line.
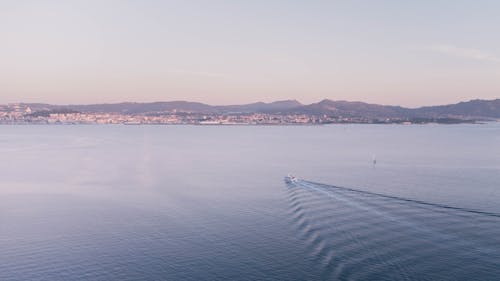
point(147, 202)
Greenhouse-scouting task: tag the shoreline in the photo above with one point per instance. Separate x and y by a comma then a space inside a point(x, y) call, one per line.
point(249, 125)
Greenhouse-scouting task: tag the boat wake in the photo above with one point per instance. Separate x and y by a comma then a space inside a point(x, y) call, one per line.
point(359, 235)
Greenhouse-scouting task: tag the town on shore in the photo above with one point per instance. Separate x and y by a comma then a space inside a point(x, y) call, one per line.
point(276, 113)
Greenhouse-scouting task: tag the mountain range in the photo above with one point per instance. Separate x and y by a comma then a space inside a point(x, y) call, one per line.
point(478, 109)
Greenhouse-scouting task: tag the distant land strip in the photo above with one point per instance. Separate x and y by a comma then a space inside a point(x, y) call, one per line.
point(286, 112)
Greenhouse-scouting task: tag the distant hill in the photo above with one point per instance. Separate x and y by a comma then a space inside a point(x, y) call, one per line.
point(136, 108)
point(353, 109)
point(469, 109)
point(473, 108)
point(479, 109)
point(277, 106)
point(173, 106)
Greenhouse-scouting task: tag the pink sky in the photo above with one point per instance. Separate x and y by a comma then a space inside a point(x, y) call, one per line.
point(234, 52)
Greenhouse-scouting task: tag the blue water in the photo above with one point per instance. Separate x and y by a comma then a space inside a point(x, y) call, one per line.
point(210, 203)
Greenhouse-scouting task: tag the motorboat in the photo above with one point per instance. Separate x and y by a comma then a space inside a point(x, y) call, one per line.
point(291, 179)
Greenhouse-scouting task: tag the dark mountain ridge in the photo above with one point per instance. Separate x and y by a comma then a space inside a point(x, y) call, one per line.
point(473, 108)
point(485, 109)
point(353, 109)
point(273, 107)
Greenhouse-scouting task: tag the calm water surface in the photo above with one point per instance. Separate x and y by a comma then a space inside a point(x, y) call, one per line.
point(210, 203)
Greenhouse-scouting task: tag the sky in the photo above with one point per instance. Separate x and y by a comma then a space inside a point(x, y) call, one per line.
point(398, 52)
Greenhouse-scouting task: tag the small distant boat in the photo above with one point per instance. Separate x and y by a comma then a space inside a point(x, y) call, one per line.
point(291, 179)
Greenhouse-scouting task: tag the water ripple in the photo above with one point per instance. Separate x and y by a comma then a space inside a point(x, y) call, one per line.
point(360, 235)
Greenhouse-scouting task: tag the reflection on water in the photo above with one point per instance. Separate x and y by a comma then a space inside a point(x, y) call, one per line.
point(358, 235)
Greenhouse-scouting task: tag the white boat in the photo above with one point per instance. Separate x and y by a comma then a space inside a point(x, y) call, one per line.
point(291, 179)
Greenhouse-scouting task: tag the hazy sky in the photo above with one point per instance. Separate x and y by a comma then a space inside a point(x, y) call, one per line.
point(221, 52)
